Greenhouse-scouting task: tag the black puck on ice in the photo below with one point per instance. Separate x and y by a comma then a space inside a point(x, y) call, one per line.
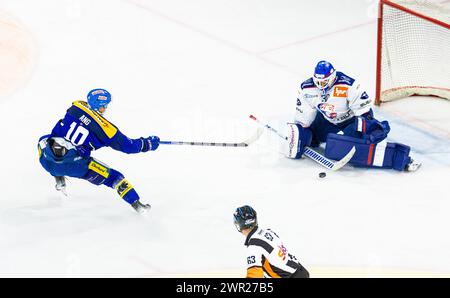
point(322, 175)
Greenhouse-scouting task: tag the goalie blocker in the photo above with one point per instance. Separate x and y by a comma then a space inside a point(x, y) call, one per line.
point(368, 154)
point(297, 139)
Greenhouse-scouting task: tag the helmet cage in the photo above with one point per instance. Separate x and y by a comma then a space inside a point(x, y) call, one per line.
point(324, 82)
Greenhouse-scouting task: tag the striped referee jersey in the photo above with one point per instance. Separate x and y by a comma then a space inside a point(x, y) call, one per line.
point(268, 257)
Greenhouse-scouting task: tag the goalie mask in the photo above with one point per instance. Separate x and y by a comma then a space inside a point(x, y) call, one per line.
point(324, 76)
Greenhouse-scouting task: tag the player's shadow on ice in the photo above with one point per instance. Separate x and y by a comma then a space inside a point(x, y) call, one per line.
point(67, 211)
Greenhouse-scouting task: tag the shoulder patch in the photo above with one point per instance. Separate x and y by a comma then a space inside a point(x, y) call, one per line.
point(309, 83)
point(343, 79)
point(108, 128)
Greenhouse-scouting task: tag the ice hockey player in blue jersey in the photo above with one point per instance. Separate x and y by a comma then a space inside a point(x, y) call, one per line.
point(66, 151)
point(332, 108)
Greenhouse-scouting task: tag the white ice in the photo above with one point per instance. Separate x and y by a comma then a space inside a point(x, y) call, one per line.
point(195, 70)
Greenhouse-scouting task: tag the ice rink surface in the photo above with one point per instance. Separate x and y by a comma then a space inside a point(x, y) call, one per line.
point(194, 70)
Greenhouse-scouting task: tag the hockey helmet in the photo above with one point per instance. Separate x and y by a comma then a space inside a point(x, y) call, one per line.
point(324, 75)
point(98, 100)
point(245, 218)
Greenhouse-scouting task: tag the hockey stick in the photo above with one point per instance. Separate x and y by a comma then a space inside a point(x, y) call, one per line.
point(217, 144)
point(311, 153)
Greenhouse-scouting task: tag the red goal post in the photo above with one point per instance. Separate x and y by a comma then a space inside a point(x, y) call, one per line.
point(413, 49)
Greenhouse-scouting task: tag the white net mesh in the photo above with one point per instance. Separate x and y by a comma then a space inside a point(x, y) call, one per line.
point(415, 52)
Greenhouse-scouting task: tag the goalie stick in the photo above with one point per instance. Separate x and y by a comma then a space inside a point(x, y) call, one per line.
point(311, 153)
point(217, 144)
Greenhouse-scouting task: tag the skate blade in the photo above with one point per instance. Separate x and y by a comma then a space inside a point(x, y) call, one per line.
point(62, 191)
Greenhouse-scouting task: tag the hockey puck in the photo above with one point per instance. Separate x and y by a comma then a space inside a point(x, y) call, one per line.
point(322, 175)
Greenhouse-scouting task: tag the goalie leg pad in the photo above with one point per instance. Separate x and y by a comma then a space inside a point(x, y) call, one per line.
point(298, 138)
point(381, 155)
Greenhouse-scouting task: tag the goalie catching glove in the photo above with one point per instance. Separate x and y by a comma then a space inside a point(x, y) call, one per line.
point(371, 129)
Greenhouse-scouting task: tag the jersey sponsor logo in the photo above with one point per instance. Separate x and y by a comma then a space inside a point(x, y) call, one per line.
point(310, 96)
point(107, 127)
point(327, 109)
point(365, 103)
point(282, 252)
point(340, 91)
point(344, 117)
point(99, 169)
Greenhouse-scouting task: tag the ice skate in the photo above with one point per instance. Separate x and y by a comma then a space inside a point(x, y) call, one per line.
point(61, 184)
point(412, 166)
point(140, 208)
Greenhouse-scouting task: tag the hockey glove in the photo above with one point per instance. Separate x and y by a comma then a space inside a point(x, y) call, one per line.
point(372, 129)
point(150, 144)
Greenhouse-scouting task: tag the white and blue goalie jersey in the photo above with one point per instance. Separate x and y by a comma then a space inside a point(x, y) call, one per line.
point(344, 100)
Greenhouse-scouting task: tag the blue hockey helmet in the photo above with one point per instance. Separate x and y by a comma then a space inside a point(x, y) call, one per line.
point(98, 100)
point(324, 75)
point(245, 218)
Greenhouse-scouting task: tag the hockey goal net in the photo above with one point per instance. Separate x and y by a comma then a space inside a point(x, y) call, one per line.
point(413, 55)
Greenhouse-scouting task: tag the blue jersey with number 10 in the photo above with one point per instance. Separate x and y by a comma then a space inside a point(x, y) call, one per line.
point(88, 130)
